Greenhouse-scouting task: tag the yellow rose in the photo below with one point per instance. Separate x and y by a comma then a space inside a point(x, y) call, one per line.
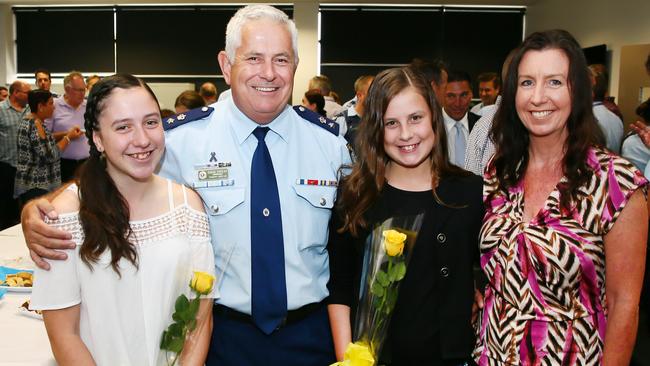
point(394, 242)
point(202, 282)
point(359, 355)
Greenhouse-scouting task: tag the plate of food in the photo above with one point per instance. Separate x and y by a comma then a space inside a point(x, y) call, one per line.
point(24, 310)
point(18, 282)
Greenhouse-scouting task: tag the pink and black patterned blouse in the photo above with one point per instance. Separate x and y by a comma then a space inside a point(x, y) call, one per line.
point(545, 301)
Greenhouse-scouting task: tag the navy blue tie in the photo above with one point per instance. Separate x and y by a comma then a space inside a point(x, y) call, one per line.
point(269, 289)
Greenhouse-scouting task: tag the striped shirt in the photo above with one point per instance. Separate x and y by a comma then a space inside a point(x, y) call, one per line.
point(10, 119)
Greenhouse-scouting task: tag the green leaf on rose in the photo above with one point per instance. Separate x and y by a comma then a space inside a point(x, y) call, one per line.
point(382, 278)
point(194, 306)
point(175, 330)
point(187, 315)
point(163, 339)
point(377, 289)
point(176, 317)
point(182, 303)
point(400, 271)
point(176, 345)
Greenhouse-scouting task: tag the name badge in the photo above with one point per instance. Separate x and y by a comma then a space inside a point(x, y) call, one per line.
point(213, 175)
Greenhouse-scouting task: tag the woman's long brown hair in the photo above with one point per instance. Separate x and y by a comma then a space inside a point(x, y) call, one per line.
point(360, 189)
point(103, 211)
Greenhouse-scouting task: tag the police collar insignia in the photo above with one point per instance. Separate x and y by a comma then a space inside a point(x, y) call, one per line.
point(317, 119)
point(187, 117)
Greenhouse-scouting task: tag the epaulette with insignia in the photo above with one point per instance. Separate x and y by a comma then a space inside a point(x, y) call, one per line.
point(186, 117)
point(317, 119)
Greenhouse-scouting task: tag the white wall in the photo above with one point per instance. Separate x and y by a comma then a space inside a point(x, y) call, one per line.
point(6, 45)
point(305, 14)
point(592, 22)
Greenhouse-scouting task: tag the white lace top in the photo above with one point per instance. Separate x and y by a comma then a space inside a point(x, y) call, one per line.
point(122, 319)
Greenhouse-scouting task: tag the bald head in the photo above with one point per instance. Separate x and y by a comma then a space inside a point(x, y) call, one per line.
point(18, 93)
point(208, 92)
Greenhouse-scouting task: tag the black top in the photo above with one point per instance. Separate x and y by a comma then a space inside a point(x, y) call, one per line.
point(445, 249)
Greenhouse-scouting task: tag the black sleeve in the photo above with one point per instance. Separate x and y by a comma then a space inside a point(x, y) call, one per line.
point(475, 223)
point(344, 263)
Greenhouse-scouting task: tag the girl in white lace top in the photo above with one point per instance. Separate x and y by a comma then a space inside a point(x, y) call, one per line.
point(139, 238)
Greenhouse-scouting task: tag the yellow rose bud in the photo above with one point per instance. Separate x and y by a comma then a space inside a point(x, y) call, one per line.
point(359, 355)
point(394, 242)
point(202, 282)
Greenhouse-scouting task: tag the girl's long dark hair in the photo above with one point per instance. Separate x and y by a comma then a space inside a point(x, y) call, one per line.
point(511, 136)
point(361, 188)
point(103, 211)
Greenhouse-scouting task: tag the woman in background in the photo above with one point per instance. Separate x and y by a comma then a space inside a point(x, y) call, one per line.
point(314, 101)
point(403, 169)
point(139, 238)
point(38, 170)
point(563, 240)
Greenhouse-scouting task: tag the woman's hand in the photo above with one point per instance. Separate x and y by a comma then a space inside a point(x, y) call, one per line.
point(74, 132)
point(643, 131)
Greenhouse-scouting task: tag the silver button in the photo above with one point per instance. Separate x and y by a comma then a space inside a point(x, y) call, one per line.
point(214, 208)
point(444, 272)
point(441, 238)
point(204, 109)
point(323, 201)
point(266, 212)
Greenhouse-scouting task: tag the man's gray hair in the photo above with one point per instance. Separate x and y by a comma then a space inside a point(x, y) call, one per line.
point(67, 80)
point(257, 12)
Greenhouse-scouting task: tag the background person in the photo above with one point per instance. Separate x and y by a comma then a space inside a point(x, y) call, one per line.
point(489, 87)
point(38, 169)
point(187, 101)
point(402, 169)
point(69, 112)
point(314, 101)
point(209, 92)
point(138, 239)
point(12, 111)
point(565, 268)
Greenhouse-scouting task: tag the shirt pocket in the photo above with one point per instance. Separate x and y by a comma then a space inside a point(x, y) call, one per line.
point(317, 196)
point(219, 202)
point(314, 208)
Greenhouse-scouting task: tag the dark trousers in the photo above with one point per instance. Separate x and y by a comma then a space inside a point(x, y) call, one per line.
point(69, 168)
point(307, 342)
point(8, 205)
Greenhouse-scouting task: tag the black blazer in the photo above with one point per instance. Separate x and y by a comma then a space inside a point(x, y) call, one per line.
point(456, 234)
point(472, 119)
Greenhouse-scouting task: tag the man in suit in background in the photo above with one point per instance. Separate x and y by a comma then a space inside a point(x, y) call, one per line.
point(458, 120)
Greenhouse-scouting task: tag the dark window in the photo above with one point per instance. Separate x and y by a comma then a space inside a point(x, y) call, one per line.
point(64, 39)
point(377, 35)
point(365, 40)
point(163, 41)
point(477, 41)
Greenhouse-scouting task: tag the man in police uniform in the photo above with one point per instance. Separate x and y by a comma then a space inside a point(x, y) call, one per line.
point(215, 150)
point(213, 154)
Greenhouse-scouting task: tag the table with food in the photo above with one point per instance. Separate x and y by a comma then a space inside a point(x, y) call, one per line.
point(23, 340)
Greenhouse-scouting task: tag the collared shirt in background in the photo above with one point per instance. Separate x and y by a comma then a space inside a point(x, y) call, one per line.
point(449, 127)
point(611, 125)
point(10, 119)
point(480, 147)
point(65, 117)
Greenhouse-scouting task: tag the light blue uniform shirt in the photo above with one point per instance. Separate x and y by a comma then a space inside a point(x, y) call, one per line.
point(214, 156)
point(635, 151)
